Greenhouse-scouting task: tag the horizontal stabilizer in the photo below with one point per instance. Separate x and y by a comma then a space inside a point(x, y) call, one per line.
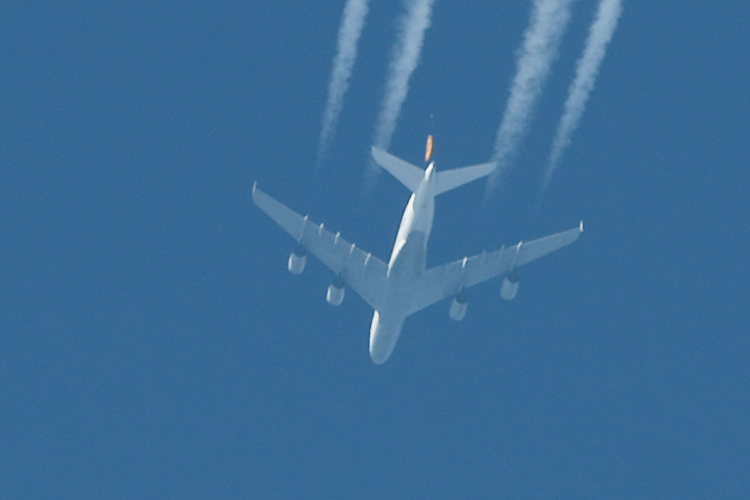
point(451, 179)
point(409, 175)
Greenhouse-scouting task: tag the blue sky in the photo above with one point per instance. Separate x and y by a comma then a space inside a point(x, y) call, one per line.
point(153, 345)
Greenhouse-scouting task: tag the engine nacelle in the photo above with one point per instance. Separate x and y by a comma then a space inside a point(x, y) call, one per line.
point(509, 288)
point(335, 293)
point(297, 260)
point(458, 307)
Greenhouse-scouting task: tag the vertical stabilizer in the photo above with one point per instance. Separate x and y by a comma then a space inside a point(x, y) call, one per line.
point(428, 144)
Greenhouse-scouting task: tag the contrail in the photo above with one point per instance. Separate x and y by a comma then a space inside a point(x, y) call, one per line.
point(352, 22)
point(404, 60)
point(587, 69)
point(541, 40)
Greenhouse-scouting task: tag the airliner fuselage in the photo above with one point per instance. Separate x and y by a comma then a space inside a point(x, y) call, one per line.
point(406, 267)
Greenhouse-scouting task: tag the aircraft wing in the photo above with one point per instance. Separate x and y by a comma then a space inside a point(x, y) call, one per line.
point(448, 280)
point(364, 273)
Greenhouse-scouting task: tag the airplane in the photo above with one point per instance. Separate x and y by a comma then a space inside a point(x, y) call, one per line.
point(403, 286)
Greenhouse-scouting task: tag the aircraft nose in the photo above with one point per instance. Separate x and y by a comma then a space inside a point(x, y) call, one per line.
point(383, 339)
point(378, 357)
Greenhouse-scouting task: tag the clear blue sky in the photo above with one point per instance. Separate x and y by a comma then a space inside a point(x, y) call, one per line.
point(153, 345)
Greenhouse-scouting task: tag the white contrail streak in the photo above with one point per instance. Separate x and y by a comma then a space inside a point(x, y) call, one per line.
point(352, 22)
point(404, 60)
point(587, 69)
point(541, 40)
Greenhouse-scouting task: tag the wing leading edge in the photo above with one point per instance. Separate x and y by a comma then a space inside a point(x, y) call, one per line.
point(364, 273)
point(448, 280)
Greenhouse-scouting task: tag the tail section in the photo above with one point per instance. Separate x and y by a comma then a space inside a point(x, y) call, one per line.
point(411, 176)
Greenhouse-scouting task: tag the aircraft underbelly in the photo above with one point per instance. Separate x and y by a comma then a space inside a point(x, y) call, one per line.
point(404, 276)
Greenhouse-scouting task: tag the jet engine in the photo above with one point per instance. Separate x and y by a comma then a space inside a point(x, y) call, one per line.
point(509, 288)
point(458, 307)
point(297, 260)
point(335, 293)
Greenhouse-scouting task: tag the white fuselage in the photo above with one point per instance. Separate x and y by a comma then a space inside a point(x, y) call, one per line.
point(405, 269)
